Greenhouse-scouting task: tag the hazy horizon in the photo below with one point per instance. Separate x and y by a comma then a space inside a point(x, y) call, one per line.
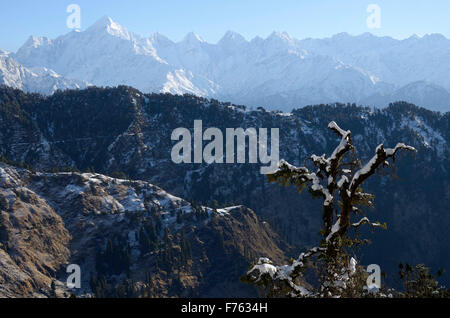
point(211, 20)
point(233, 31)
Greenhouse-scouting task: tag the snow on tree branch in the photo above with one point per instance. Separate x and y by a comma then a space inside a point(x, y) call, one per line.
point(334, 229)
point(379, 158)
point(338, 130)
point(333, 179)
point(329, 170)
point(300, 176)
point(286, 274)
point(365, 220)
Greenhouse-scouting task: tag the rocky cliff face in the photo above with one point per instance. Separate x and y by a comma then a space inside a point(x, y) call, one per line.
point(33, 239)
point(121, 131)
point(130, 238)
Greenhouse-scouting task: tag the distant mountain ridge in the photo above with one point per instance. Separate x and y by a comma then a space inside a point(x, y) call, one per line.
point(122, 130)
point(34, 79)
point(278, 72)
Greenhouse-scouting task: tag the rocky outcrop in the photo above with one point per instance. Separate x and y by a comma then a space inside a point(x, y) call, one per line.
point(130, 239)
point(122, 132)
point(33, 239)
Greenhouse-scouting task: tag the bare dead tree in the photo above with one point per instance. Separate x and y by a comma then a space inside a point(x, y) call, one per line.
point(339, 185)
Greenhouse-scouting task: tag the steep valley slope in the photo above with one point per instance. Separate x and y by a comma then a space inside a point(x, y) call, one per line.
point(123, 132)
point(130, 239)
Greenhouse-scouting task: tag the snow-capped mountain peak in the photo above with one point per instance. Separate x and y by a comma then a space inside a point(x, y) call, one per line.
point(278, 35)
point(278, 72)
point(231, 38)
point(160, 39)
point(191, 38)
point(111, 27)
point(34, 41)
point(36, 79)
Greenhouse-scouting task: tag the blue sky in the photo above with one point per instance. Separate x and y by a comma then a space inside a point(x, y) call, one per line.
point(212, 18)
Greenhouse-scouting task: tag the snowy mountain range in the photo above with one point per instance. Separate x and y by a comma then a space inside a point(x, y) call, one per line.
point(126, 134)
point(34, 79)
point(278, 72)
